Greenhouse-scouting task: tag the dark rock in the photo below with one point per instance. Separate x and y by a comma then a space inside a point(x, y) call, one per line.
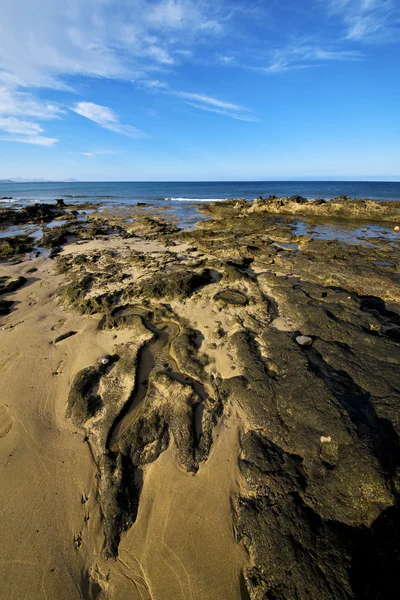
point(34, 213)
point(83, 400)
point(17, 244)
point(5, 307)
point(298, 199)
point(64, 336)
point(312, 494)
point(174, 284)
point(8, 285)
point(54, 238)
point(231, 296)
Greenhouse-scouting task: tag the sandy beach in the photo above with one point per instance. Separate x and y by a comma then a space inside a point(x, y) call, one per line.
point(199, 414)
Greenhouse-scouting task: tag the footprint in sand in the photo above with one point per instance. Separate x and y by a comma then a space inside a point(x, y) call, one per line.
point(6, 421)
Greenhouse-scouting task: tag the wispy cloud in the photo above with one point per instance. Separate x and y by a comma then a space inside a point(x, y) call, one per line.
point(208, 100)
point(201, 101)
point(305, 56)
point(50, 46)
point(94, 153)
point(106, 118)
point(179, 14)
point(35, 140)
point(92, 38)
point(151, 84)
point(225, 113)
point(368, 20)
point(13, 125)
point(15, 104)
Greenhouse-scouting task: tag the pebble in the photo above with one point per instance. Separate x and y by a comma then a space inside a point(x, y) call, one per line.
point(397, 228)
point(326, 439)
point(105, 360)
point(304, 340)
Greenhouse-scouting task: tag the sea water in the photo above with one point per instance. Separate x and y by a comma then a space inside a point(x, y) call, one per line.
point(181, 192)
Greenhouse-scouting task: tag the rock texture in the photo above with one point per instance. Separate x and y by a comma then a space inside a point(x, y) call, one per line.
point(302, 337)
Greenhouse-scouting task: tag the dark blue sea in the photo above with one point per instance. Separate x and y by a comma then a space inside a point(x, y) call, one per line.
point(178, 192)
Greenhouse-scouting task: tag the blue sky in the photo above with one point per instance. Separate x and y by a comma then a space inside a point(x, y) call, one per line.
point(200, 90)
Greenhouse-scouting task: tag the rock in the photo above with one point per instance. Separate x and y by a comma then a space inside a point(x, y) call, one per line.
point(83, 400)
point(168, 408)
point(318, 505)
point(304, 340)
point(8, 285)
point(172, 284)
point(105, 360)
point(64, 336)
point(5, 306)
point(17, 244)
point(34, 213)
point(298, 199)
point(231, 296)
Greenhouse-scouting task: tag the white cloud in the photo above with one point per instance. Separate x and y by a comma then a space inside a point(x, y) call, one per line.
point(208, 100)
point(13, 125)
point(152, 84)
point(225, 60)
point(225, 113)
point(200, 101)
point(43, 41)
point(179, 14)
point(368, 20)
point(36, 140)
point(21, 130)
point(105, 117)
point(160, 55)
point(13, 102)
point(94, 153)
point(304, 56)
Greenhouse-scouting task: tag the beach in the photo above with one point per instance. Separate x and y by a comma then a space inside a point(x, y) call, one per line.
point(200, 405)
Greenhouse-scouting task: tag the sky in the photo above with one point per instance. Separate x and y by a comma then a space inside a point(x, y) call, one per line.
point(180, 90)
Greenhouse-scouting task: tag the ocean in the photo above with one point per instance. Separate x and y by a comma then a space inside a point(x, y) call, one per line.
point(180, 192)
point(181, 199)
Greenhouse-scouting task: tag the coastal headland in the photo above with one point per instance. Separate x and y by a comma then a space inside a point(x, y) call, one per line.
point(200, 413)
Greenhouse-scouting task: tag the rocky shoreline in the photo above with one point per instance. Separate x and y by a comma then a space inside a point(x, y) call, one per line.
point(290, 343)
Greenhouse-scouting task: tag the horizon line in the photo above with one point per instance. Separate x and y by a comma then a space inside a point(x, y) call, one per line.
point(396, 179)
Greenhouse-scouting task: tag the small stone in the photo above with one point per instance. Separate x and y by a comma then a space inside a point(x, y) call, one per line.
point(396, 228)
point(304, 340)
point(325, 439)
point(105, 360)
